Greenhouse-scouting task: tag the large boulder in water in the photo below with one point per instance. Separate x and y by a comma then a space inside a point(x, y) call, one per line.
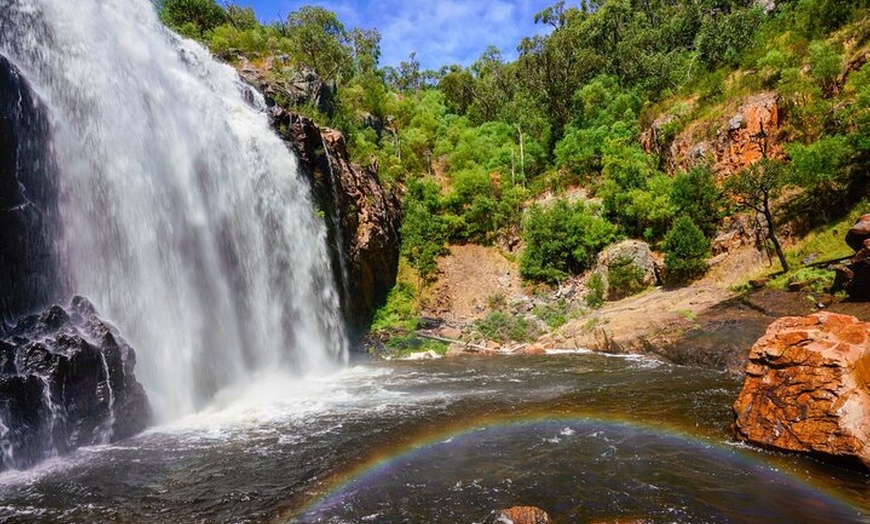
point(66, 380)
point(807, 388)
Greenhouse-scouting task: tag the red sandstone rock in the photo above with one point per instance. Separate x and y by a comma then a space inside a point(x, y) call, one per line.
point(749, 134)
point(806, 387)
point(522, 515)
point(532, 349)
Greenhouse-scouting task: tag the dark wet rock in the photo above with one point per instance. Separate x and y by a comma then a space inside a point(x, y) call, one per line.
point(860, 232)
point(66, 380)
point(854, 277)
point(28, 201)
point(362, 217)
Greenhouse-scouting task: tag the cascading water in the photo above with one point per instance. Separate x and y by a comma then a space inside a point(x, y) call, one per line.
point(108, 426)
point(183, 216)
point(52, 414)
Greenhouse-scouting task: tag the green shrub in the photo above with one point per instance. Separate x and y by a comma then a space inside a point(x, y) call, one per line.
point(562, 239)
point(595, 294)
point(400, 310)
point(553, 314)
point(686, 249)
point(503, 327)
point(694, 194)
point(624, 278)
point(424, 233)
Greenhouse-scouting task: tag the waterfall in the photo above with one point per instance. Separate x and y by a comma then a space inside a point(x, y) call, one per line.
point(183, 217)
point(108, 425)
point(52, 413)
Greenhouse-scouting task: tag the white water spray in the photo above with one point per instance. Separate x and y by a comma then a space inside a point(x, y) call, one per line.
point(54, 413)
point(107, 429)
point(184, 217)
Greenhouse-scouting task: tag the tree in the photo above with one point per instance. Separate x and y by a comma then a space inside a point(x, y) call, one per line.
point(695, 194)
point(242, 18)
point(320, 42)
point(562, 239)
point(192, 18)
point(423, 231)
point(366, 44)
point(457, 84)
point(686, 249)
point(757, 187)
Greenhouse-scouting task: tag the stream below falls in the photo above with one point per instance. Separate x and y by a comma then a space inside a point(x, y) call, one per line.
point(587, 437)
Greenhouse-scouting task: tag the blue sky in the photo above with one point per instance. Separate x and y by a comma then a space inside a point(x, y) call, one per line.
point(441, 32)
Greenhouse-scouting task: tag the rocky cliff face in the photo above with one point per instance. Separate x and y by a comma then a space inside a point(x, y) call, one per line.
point(66, 380)
point(751, 132)
point(361, 215)
point(806, 388)
point(28, 198)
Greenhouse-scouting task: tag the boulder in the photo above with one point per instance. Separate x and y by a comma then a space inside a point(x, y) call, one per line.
point(806, 388)
point(860, 232)
point(531, 349)
point(66, 380)
point(854, 277)
point(626, 268)
point(450, 332)
point(520, 515)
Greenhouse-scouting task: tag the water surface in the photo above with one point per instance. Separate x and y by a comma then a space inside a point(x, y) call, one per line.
point(586, 437)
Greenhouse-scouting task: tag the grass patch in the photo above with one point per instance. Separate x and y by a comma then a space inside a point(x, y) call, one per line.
point(402, 308)
point(591, 324)
point(827, 242)
point(407, 343)
point(555, 314)
point(503, 327)
point(688, 315)
point(817, 280)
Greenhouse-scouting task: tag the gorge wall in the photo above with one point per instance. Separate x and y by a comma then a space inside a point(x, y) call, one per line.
point(28, 201)
point(362, 215)
point(750, 132)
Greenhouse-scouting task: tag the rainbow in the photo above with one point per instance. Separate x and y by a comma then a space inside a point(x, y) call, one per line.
point(375, 467)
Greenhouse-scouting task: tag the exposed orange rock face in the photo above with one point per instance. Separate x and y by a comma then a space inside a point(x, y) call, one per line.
point(749, 134)
point(806, 387)
point(522, 515)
